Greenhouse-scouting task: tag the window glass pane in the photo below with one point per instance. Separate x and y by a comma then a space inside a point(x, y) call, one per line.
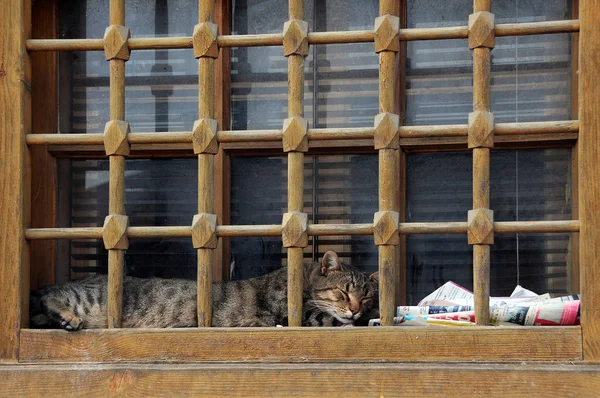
point(161, 86)
point(530, 74)
point(346, 86)
point(525, 185)
point(344, 188)
point(157, 193)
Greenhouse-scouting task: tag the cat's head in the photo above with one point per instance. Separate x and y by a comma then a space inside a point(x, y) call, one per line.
point(342, 291)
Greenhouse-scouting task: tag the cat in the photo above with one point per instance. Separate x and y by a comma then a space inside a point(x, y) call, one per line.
point(334, 295)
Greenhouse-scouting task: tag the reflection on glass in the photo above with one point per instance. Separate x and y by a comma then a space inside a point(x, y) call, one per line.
point(525, 185)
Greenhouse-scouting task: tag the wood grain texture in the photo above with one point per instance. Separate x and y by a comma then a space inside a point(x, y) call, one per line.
point(44, 186)
point(304, 344)
point(295, 258)
point(116, 199)
point(114, 306)
point(15, 123)
point(205, 267)
point(481, 283)
point(286, 379)
point(481, 78)
point(295, 181)
point(521, 129)
point(507, 227)
point(481, 178)
point(276, 39)
point(206, 200)
point(589, 170)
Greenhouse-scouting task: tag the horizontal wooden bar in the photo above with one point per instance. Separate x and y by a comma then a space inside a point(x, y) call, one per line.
point(65, 45)
point(63, 233)
point(553, 127)
point(249, 136)
point(159, 232)
point(410, 228)
point(274, 39)
point(536, 28)
point(561, 226)
point(358, 133)
point(359, 36)
point(508, 227)
point(160, 43)
point(320, 134)
point(450, 32)
point(339, 229)
point(263, 379)
point(304, 344)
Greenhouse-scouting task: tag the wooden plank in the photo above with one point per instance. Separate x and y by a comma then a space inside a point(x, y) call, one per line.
point(206, 162)
point(275, 39)
point(15, 123)
point(330, 380)
point(116, 196)
point(304, 344)
point(44, 94)
point(589, 170)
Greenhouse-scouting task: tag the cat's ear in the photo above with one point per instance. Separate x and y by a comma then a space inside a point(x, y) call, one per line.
point(374, 276)
point(330, 262)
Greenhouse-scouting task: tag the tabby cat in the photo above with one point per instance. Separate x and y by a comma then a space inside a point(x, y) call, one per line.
point(334, 294)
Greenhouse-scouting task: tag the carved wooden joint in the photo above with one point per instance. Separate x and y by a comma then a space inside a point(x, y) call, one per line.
point(387, 32)
point(295, 134)
point(295, 37)
point(385, 227)
point(115, 42)
point(480, 227)
point(386, 131)
point(115, 138)
point(481, 30)
point(481, 129)
point(204, 40)
point(114, 233)
point(204, 136)
point(295, 229)
point(204, 231)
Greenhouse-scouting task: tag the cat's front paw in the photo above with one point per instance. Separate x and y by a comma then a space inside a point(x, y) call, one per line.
point(69, 321)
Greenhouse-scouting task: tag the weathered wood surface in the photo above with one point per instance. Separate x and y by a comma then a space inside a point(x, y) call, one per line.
point(15, 123)
point(263, 379)
point(589, 176)
point(501, 227)
point(305, 344)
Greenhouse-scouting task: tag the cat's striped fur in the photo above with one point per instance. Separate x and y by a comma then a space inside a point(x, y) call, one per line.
point(334, 294)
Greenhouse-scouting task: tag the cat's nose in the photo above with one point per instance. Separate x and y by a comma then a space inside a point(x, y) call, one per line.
point(354, 310)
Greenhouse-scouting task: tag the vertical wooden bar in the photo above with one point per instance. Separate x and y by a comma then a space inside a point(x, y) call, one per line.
point(296, 128)
point(44, 96)
point(480, 235)
point(388, 158)
point(116, 258)
point(15, 123)
point(206, 157)
point(589, 169)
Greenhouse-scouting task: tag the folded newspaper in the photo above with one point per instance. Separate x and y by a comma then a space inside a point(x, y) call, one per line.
point(453, 305)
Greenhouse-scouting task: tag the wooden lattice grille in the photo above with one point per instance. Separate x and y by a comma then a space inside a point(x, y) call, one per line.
point(296, 136)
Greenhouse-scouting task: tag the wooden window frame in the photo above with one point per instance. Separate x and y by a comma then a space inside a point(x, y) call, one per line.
point(579, 343)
